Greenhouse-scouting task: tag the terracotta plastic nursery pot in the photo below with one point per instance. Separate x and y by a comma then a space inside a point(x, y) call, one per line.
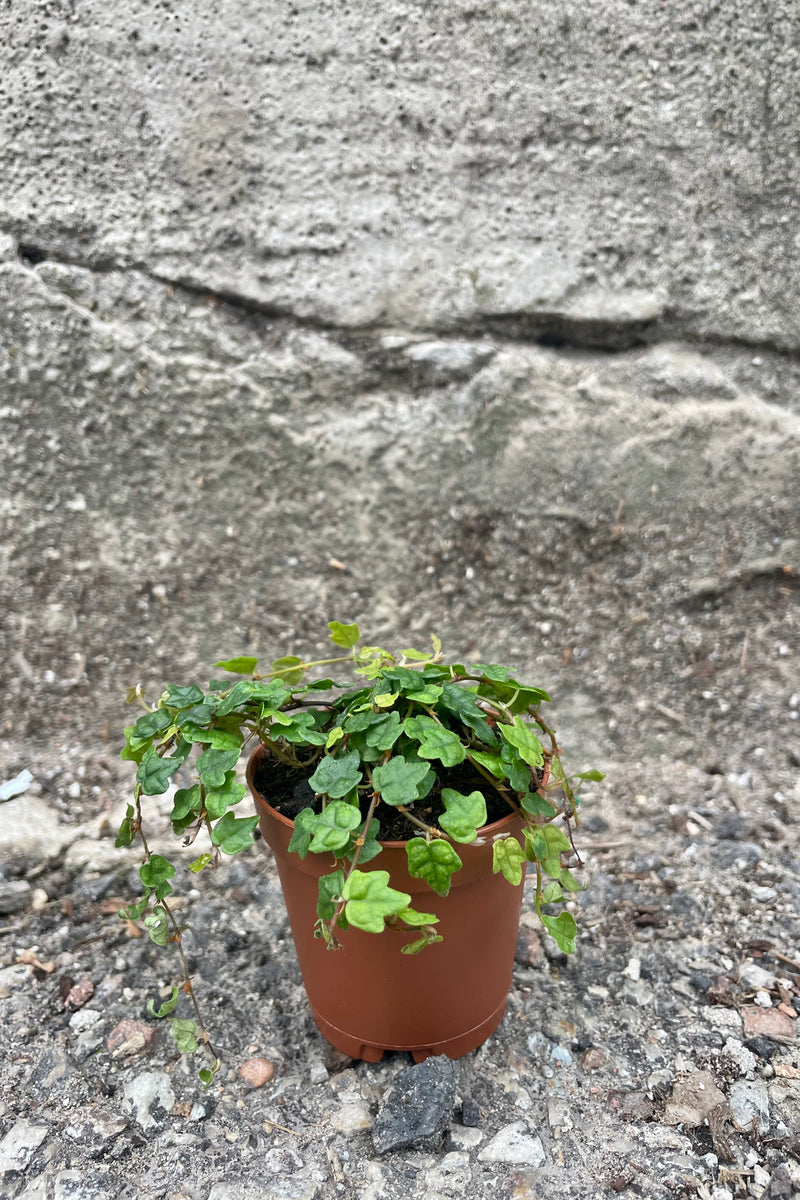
point(367, 997)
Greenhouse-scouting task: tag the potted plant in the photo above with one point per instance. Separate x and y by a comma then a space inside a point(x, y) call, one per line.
point(403, 810)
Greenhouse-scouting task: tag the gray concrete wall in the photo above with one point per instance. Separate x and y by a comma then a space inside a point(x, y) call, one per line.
point(472, 316)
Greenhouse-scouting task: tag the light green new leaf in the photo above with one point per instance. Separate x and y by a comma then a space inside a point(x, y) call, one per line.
point(590, 776)
point(331, 828)
point(428, 695)
point(417, 919)
point(286, 668)
point(370, 900)
point(399, 781)
point(345, 636)
point(464, 816)
point(508, 857)
point(335, 777)
point(427, 939)
point(213, 766)
point(434, 861)
point(200, 863)
point(524, 741)
point(552, 893)
point(233, 834)
point(563, 929)
point(244, 665)
point(135, 747)
point(185, 1032)
point(435, 741)
point(166, 1008)
point(385, 699)
point(492, 762)
point(126, 832)
point(157, 926)
point(334, 737)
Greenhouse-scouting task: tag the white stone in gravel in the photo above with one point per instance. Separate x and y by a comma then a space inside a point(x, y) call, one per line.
point(280, 1189)
point(745, 1060)
point(514, 1144)
point(282, 1160)
point(83, 1019)
point(20, 1144)
point(756, 977)
point(32, 829)
point(763, 895)
point(74, 1185)
point(465, 1137)
point(145, 1093)
point(727, 1020)
point(749, 1101)
point(352, 1115)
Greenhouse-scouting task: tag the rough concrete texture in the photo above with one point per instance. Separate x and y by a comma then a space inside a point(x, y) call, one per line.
point(470, 319)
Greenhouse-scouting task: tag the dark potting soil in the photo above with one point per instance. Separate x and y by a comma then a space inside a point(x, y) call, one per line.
point(287, 789)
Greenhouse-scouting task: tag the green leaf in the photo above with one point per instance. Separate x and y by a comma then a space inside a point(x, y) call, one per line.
point(335, 777)
point(427, 939)
point(417, 919)
point(218, 800)
point(334, 737)
point(183, 697)
point(206, 1074)
point(126, 831)
point(590, 776)
point(345, 636)
point(213, 766)
point(185, 1032)
point(200, 863)
point(157, 926)
point(301, 729)
point(155, 773)
point(134, 911)
point(435, 741)
point(462, 704)
point(385, 699)
point(166, 1008)
point(186, 801)
point(492, 671)
point(135, 747)
point(156, 873)
point(198, 714)
point(303, 832)
point(233, 834)
point(563, 929)
point(219, 739)
point(399, 781)
point(329, 891)
point(568, 881)
point(508, 857)
point(428, 695)
point(492, 762)
point(524, 741)
point(536, 806)
point(245, 665)
point(464, 816)
point(552, 893)
point(152, 723)
point(370, 900)
point(433, 861)
point(384, 732)
point(251, 691)
point(286, 669)
point(518, 775)
point(372, 847)
point(331, 828)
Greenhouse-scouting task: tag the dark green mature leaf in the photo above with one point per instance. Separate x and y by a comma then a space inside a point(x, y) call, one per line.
point(183, 697)
point(301, 729)
point(233, 834)
point(155, 773)
point(464, 816)
point(524, 740)
point(435, 741)
point(251, 690)
point(186, 801)
point(126, 832)
point(345, 636)
point(335, 777)
point(371, 847)
point(135, 747)
point(197, 714)
point(134, 911)
point(536, 806)
point(186, 1033)
point(399, 781)
point(370, 900)
point(329, 891)
point(508, 857)
point(433, 861)
point(563, 929)
point(303, 832)
point(166, 1008)
point(402, 679)
point(516, 772)
point(462, 704)
point(244, 665)
point(492, 671)
point(149, 724)
point(218, 800)
point(332, 827)
point(219, 739)
point(156, 873)
point(157, 926)
point(213, 766)
point(383, 733)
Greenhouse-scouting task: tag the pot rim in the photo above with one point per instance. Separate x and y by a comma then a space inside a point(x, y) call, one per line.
point(487, 833)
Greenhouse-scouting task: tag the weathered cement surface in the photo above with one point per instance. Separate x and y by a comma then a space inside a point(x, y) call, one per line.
point(541, 165)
